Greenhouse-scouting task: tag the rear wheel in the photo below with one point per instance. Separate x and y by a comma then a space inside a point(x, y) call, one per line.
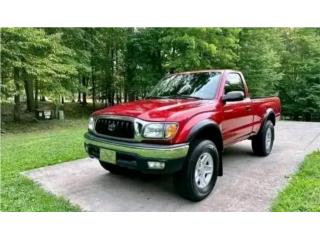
point(199, 175)
point(263, 142)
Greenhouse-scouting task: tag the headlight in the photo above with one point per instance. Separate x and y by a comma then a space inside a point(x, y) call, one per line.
point(91, 124)
point(160, 130)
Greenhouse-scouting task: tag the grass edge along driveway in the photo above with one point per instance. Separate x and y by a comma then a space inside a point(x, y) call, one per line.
point(49, 144)
point(302, 194)
point(33, 146)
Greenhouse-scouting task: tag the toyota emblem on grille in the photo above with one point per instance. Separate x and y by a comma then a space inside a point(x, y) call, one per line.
point(111, 127)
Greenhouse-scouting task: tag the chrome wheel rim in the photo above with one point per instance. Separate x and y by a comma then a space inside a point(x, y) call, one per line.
point(203, 170)
point(268, 139)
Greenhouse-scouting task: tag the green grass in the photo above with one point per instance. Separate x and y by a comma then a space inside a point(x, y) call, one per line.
point(35, 145)
point(32, 145)
point(303, 192)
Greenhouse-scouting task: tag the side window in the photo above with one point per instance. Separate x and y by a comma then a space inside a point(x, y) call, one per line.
point(233, 83)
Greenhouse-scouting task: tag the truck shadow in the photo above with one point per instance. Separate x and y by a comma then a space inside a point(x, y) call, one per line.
point(135, 179)
point(155, 192)
point(240, 150)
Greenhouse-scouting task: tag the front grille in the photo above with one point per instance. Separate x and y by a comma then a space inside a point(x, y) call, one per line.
point(115, 128)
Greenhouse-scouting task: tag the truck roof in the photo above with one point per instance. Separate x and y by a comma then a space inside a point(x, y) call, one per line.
point(207, 70)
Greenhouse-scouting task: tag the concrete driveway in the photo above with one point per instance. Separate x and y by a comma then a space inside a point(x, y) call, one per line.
point(249, 183)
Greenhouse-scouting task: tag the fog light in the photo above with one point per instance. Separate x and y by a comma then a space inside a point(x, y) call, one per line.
point(156, 165)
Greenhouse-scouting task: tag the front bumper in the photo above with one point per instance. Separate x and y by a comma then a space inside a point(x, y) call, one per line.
point(136, 155)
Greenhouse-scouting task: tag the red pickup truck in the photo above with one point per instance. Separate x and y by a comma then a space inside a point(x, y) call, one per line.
point(182, 127)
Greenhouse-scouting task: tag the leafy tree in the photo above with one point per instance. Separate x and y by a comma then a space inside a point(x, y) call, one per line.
point(198, 48)
point(30, 55)
point(79, 40)
point(300, 88)
point(21, 51)
point(112, 65)
point(143, 60)
point(153, 52)
point(260, 59)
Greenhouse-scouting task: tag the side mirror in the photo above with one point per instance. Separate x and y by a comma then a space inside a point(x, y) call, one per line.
point(233, 96)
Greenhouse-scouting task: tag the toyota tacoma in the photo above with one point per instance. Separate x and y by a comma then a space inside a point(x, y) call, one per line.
point(182, 128)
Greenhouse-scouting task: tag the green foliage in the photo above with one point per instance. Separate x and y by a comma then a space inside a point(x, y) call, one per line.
point(37, 55)
point(302, 193)
point(153, 52)
point(143, 60)
point(260, 60)
point(300, 88)
point(199, 48)
point(119, 64)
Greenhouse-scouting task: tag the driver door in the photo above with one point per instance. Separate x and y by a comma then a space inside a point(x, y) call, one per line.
point(237, 123)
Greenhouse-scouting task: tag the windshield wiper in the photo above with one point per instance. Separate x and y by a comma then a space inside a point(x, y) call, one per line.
point(186, 96)
point(174, 97)
point(157, 97)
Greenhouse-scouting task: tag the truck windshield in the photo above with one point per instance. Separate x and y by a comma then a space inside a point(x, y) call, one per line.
point(201, 85)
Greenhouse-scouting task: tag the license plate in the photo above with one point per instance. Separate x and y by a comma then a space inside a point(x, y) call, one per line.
point(107, 155)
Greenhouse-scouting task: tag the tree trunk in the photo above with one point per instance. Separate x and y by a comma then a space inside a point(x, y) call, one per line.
point(36, 93)
point(119, 97)
point(62, 99)
point(106, 98)
point(84, 98)
point(28, 86)
point(84, 93)
point(79, 92)
point(93, 88)
point(16, 111)
point(307, 117)
point(106, 93)
point(110, 98)
point(79, 97)
point(111, 86)
point(125, 96)
point(131, 96)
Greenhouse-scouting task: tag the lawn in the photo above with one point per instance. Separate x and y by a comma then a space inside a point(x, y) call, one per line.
point(34, 145)
point(303, 192)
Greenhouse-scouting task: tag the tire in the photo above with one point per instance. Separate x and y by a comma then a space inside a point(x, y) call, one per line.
point(111, 167)
point(260, 144)
point(187, 181)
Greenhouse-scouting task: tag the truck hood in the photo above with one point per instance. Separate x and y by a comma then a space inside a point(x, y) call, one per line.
point(159, 109)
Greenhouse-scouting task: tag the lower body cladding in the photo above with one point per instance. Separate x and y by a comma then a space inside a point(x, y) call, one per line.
point(146, 158)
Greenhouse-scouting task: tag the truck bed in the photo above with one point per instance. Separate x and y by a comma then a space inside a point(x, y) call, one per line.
point(261, 105)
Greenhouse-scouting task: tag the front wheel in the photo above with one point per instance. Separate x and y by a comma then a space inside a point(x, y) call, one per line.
point(263, 142)
point(199, 174)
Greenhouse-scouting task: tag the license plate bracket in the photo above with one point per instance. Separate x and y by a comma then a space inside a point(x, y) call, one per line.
point(107, 155)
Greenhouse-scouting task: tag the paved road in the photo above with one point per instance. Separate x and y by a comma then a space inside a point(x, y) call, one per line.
point(249, 183)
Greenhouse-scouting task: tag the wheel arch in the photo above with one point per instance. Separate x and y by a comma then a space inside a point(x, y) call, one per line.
point(208, 129)
point(270, 115)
